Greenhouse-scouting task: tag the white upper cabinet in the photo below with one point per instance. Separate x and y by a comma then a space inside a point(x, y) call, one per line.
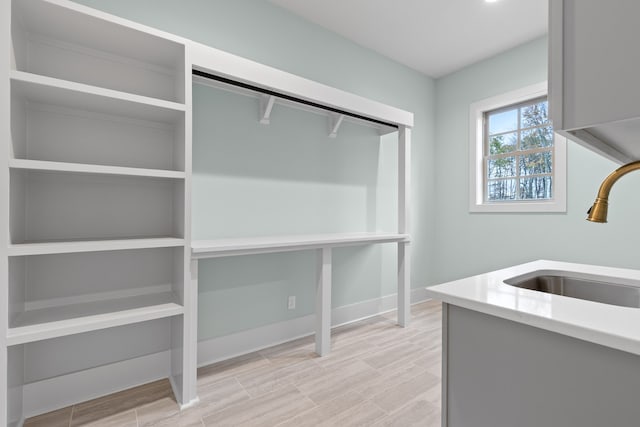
point(593, 74)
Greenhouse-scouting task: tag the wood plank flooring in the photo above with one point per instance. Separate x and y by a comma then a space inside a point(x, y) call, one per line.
point(377, 374)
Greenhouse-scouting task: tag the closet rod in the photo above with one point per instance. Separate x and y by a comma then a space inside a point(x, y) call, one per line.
point(288, 97)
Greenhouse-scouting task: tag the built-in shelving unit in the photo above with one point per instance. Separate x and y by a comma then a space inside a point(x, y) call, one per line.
point(101, 276)
point(98, 178)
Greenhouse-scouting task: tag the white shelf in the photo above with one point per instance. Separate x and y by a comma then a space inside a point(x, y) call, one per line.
point(24, 249)
point(221, 63)
point(48, 90)
point(60, 321)
point(255, 245)
point(42, 165)
point(77, 24)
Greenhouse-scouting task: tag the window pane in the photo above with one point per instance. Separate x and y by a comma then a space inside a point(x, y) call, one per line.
point(503, 121)
point(537, 138)
point(503, 143)
point(501, 168)
point(534, 115)
point(536, 163)
point(503, 189)
point(536, 188)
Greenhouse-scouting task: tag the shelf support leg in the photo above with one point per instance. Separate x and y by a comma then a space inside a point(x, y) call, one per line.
point(404, 253)
point(323, 302)
point(404, 294)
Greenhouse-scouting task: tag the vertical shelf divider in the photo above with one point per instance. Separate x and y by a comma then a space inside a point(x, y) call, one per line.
point(5, 134)
point(190, 280)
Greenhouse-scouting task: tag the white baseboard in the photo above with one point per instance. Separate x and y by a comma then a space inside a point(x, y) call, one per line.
point(233, 345)
point(58, 392)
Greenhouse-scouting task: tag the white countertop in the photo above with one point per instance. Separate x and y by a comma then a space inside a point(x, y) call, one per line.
point(608, 325)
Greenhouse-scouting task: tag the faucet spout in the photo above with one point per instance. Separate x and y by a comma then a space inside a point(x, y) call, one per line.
point(598, 212)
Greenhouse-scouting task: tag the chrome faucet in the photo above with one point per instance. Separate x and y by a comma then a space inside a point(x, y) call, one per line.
point(598, 212)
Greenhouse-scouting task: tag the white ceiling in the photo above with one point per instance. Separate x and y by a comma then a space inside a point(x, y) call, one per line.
point(435, 37)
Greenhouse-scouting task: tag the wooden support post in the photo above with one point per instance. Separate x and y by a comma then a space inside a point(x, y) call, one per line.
point(323, 302)
point(404, 253)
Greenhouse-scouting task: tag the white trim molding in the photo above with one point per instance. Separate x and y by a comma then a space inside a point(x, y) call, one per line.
point(476, 154)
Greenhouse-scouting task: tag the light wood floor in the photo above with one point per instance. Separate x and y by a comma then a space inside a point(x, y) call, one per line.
point(377, 374)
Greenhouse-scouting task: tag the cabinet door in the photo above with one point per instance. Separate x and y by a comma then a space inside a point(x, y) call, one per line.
point(601, 61)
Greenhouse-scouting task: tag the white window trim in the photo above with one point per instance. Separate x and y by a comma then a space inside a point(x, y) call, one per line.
point(476, 153)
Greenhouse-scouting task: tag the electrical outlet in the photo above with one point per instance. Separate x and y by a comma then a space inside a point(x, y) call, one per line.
point(291, 303)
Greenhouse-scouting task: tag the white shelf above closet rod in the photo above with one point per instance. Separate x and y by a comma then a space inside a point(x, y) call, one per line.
point(267, 98)
point(226, 65)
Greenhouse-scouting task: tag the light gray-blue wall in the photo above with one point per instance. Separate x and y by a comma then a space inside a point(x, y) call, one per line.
point(472, 243)
point(288, 177)
point(449, 242)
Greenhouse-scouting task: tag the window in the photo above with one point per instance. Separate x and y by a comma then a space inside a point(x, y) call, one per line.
point(518, 164)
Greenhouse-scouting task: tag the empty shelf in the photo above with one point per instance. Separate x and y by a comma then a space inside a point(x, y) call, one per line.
point(71, 319)
point(49, 90)
point(23, 249)
point(79, 25)
point(93, 169)
point(255, 245)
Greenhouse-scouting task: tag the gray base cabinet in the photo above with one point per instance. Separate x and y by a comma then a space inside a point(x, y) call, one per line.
point(499, 373)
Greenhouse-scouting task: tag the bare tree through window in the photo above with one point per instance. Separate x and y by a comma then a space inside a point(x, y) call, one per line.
point(519, 152)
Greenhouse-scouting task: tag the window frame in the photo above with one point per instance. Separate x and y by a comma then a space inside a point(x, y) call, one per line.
point(477, 181)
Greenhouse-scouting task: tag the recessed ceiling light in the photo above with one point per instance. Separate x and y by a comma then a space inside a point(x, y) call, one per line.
point(491, 1)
